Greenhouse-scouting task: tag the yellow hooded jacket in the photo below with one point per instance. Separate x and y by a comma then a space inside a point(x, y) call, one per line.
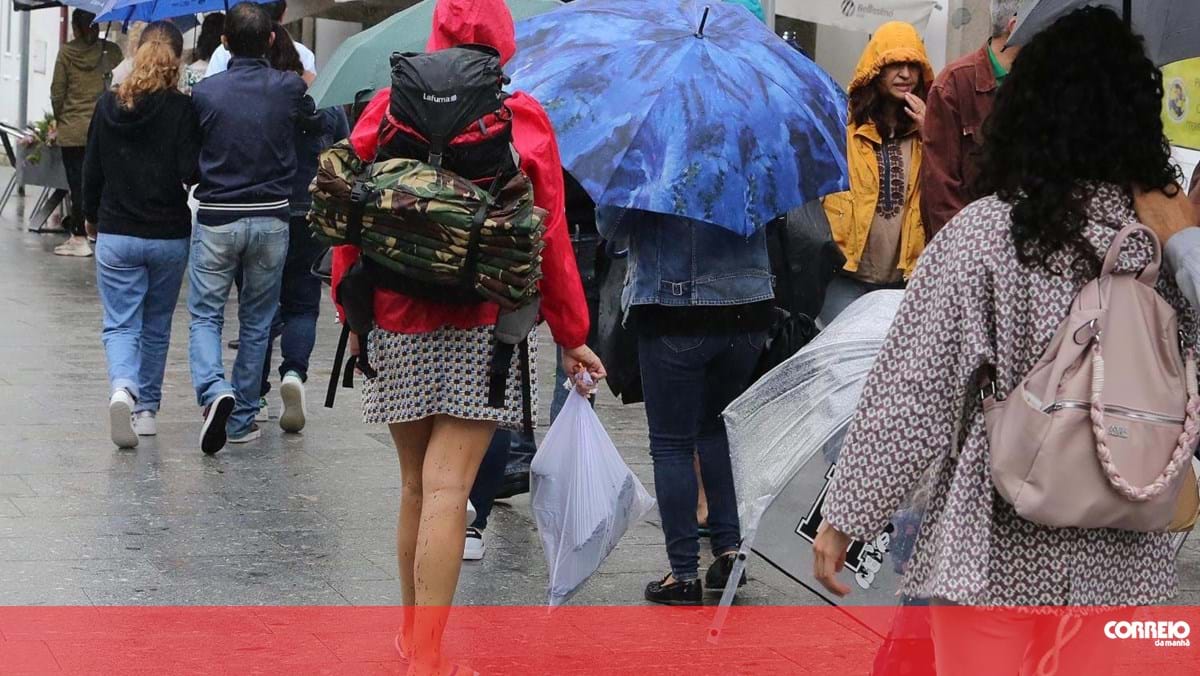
point(851, 212)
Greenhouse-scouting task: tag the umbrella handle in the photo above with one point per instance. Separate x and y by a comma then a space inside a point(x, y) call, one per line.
point(703, 20)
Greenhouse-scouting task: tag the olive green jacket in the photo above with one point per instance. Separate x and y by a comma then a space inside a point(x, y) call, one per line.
point(81, 74)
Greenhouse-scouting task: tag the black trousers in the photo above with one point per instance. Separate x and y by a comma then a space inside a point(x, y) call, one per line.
point(73, 164)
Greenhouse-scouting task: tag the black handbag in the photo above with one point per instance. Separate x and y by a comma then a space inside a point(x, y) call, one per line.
point(616, 344)
point(804, 258)
point(787, 335)
point(322, 268)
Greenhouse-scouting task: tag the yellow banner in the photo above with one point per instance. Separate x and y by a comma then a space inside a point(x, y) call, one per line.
point(1181, 103)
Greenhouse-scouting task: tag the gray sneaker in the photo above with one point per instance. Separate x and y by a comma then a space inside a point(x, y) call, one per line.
point(120, 419)
point(75, 246)
point(144, 424)
point(294, 406)
point(249, 435)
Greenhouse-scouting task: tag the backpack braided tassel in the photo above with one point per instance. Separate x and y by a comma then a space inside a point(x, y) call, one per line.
point(1183, 449)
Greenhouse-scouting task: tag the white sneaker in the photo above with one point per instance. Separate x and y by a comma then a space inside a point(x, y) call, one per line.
point(144, 424)
point(74, 246)
point(471, 513)
point(120, 419)
point(294, 406)
point(264, 411)
point(474, 546)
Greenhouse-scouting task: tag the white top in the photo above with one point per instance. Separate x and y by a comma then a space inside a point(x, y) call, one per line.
point(1182, 252)
point(220, 59)
point(122, 71)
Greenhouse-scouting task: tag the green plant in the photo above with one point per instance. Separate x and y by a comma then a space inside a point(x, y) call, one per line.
point(38, 135)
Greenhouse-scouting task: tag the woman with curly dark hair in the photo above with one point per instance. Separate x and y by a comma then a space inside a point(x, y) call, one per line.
point(877, 222)
point(1075, 130)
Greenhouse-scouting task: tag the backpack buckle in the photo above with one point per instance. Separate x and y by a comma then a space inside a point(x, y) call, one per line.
point(359, 193)
point(1092, 329)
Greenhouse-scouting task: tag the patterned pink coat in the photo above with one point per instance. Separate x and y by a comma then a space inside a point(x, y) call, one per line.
point(970, 304)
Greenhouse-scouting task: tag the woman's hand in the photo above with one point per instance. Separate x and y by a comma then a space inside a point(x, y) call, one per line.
point(580, 359)
point(1163, 213)
point(915, 108)
point(309, 77)
point(829, 557)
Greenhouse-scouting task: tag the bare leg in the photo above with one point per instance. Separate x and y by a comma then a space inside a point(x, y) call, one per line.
point(452, 458)
point(702, 501)
point(411, 440)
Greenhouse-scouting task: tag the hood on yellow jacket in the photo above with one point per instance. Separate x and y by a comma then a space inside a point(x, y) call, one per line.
point(894, 42)
point(852, 212)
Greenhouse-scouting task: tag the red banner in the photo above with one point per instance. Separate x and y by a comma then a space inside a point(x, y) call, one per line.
point(599, 640)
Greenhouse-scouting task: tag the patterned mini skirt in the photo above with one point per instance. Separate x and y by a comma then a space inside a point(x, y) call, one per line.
point(442, 372)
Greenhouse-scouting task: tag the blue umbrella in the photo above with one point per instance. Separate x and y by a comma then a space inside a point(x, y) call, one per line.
point(93, 6)
point(684, 107)
point(154, 10)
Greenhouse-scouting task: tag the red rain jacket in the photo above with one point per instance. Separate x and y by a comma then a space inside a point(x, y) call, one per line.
point(564, 308)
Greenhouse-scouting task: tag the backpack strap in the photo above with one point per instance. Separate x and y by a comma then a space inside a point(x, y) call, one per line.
point(526, 391)
point(1149, 274)
point(346, 374)
point(471, 265)
point(512, 329)
point(1180, 459)
point(338, 357)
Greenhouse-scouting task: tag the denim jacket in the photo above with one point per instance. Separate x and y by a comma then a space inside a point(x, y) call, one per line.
point(681, 262)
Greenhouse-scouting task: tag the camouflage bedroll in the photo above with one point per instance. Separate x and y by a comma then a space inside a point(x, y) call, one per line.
point(417, 222)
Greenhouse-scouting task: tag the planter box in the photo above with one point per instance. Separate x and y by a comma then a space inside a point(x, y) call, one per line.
point(48, 172)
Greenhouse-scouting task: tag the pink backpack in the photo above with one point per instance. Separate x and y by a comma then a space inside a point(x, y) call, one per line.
point(1101, 431)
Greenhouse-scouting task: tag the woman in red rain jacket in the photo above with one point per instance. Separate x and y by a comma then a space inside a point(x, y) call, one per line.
point(433, 358)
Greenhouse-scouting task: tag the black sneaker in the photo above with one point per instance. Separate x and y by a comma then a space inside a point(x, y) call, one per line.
point(718, 573)
point(212, 433)
point(677, 593)
point(515, 483)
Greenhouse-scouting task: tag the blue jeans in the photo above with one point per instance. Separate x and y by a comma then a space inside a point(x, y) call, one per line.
point(254, 248)
point(295, 320)
point(139, 282)
point(687, 382)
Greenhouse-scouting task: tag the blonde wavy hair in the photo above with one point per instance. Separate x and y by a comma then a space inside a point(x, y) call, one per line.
point(155, 64)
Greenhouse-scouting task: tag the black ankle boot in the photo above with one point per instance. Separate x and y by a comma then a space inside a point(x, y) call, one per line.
point(718, 573)
point(676, 593)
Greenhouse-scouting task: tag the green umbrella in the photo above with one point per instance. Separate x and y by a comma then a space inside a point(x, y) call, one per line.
point(361, 63)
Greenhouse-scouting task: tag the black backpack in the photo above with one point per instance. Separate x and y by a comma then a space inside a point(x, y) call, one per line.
point(447, 109)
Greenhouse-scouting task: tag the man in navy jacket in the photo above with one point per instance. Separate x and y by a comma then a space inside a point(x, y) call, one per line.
point(248, 117)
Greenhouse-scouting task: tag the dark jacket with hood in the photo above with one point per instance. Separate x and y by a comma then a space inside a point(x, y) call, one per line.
point(136, 165)
point(81, 73)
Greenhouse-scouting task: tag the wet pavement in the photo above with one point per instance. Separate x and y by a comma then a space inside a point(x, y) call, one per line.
point(291, 519)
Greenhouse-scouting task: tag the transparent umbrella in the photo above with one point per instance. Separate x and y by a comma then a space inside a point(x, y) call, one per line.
point(1171, 28)
point(784, 436)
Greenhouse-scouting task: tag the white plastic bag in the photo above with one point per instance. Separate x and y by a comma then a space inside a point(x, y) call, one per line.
point(584, 497)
